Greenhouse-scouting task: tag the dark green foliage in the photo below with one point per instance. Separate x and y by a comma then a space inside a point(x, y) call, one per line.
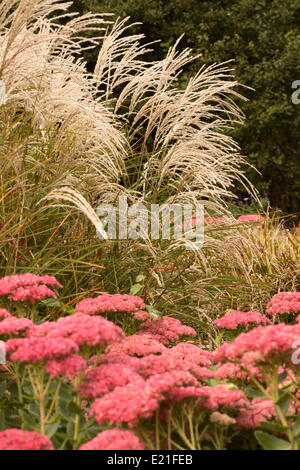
point(263, 37)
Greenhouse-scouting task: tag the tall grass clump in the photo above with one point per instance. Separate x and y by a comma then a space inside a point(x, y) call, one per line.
point(71, 139)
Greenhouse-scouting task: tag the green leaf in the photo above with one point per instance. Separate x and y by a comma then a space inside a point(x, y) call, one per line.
point(269, 442)
point(52, 428)
point(282, 376)
point(135, 289)
point(296, 427)
point(153, 312)
point(2, 388)
point(254, 393)
point(64, 409)
point(74, 408)
point(140, 278)
point(284, 402)
point(272, 426)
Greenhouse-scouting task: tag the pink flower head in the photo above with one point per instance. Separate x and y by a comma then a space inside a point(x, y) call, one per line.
point(228, 370)
point(137, 345)
point(14, 326)
point(170, 329)
point(110, 303)
point(114, 439)
point(153, 365)
point(164, 383)
point(105, 378)
point(36, 349)
point(28, 287)
point(18, 439)
point(251, 218)
point(120, 359)
point(261, 344)
point(257, 411)
point(32, 293)
point(214, 398)
point(4, 314)
point(180, 393)
point(82, 329)
point(232, 320)
point(69, 366)
point(141, 315)
point(191, 353)
point(127, 404)
point(284, 302)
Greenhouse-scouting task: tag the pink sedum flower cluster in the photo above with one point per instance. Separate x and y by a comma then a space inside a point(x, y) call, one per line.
point(167, 329)
point(251, 218)
point(111, 303)
point(36, 349)
point(137, 345)
point(114, 439)
point(81, 329)
point(30, 287)
point(214, 398)
point(284, 302)
point(126, 404)
point(105, 378)
point(4, 314)
point(257, 411)
point(191, 353)
point(18, 439)
point(14, 326)
point(69, 366)
point(235, 318)
point(262, 344)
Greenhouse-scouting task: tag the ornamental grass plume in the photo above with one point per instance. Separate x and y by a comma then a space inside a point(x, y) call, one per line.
point(235, 318)
point(114, 439)
point(284, 302)
point(18, 439)
point(81, 329)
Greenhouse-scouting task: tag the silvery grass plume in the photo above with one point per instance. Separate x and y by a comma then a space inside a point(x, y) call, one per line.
point(43, 74)
point(128, 128)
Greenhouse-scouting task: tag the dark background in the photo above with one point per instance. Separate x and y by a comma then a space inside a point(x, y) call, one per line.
point(263, 37)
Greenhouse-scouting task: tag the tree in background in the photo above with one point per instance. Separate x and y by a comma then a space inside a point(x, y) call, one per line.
point(263, 37)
